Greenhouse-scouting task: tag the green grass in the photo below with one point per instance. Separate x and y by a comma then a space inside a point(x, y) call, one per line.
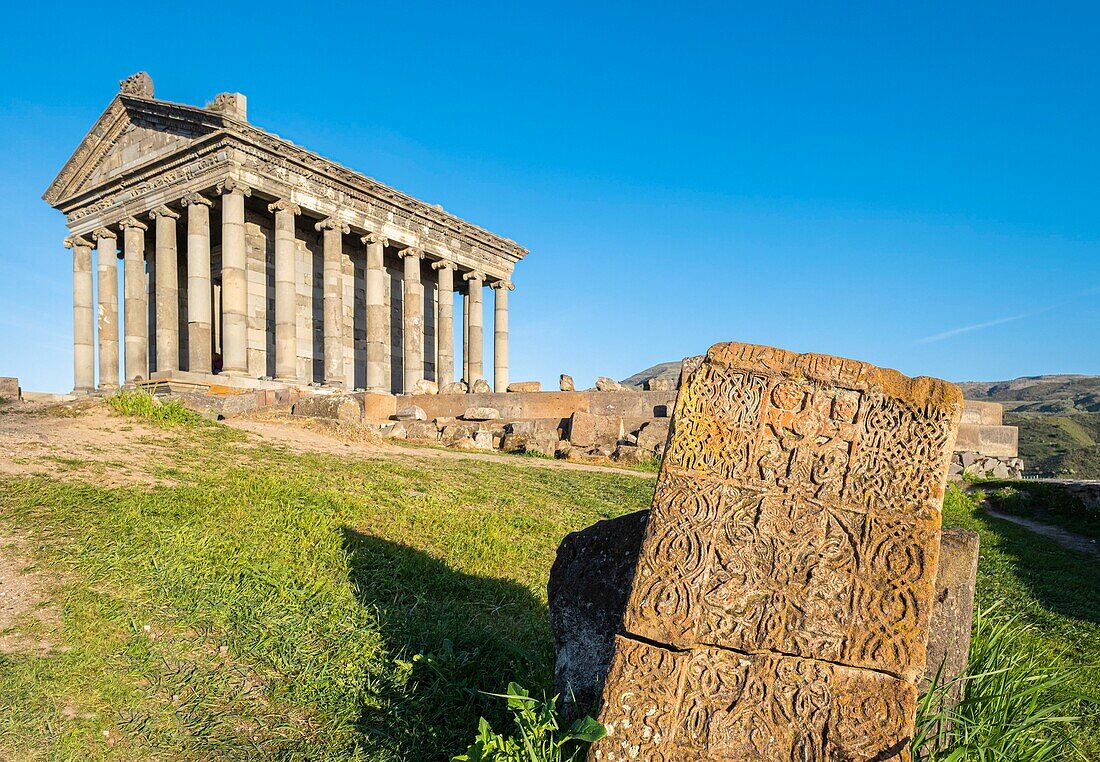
point(264, 605)
point(141, 404)
point(1059, 445)
point(1044, 502)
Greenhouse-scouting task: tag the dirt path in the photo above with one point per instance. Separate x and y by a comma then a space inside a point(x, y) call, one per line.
point(1063, 537)
point(301, 435)
point(76, 439)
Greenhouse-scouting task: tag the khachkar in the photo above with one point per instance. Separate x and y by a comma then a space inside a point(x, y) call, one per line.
point(246, 251)
point(781, 602)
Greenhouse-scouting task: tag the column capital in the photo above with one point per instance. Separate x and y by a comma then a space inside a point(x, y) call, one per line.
point(331, 223)
point(232, 185)
point(193, 199)
point(163, 211)
point(506, 284)
point(101, 233)
point(284, 205)
point(375, 238)
point(77, 241)
point(411, 251)
point(443, 264)
point(132, 222)
point(474, 275)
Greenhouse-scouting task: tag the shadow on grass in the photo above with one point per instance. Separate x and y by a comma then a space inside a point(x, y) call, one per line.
point(451, 635)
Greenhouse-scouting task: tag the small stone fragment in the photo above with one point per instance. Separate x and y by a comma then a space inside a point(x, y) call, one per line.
point(525, 386)
point(480, 414)
point(658, 385)
point(605, 384)
point(481, 386)
point(566, 383)
point(411, 413)
point(455, 387)
point(424, 386)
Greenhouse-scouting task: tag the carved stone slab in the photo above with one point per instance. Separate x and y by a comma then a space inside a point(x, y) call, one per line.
point(781, 603)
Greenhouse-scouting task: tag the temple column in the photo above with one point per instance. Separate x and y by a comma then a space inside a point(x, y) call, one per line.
point(167, 291)
point(83, 315)
point(136, 308)
point(378, 324)
point(199, 330)
point(412, 320)
point(500, 335)
point(286, 297)
point(332, 231)
point(234, 278)
point(476, 341)
point(466, 336)
point(444, 323)
point(107, 275)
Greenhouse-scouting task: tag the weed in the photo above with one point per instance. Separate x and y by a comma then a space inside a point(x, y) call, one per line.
point(538, 737)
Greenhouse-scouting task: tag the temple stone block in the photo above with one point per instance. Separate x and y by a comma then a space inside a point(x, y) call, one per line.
point(378, 325)
point(107, 282)
point(781, 604)
point(136, 313)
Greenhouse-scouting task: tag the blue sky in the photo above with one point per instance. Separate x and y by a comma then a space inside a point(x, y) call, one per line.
point(915, 185)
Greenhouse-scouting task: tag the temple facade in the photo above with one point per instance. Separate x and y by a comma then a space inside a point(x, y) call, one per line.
point(244, 255)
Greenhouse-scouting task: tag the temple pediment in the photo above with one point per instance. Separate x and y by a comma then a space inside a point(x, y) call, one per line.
point(130, 134)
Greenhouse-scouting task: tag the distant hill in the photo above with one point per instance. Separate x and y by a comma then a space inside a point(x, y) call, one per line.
point(665, 370)
point(1039, 394)
point(1058, 417)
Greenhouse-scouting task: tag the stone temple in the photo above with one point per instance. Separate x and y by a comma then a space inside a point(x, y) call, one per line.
point(247, 256)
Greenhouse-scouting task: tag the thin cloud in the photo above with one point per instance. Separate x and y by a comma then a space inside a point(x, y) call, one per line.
point(977, 327)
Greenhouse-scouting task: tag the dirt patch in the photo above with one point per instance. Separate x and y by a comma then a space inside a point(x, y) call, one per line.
point(26, 616)
point(79, 441)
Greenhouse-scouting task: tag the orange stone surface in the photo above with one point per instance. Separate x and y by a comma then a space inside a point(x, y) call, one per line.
point(781, 603)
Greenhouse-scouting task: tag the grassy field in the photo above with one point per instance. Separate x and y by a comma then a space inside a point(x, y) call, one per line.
point(255, 604)
point(1059, 445)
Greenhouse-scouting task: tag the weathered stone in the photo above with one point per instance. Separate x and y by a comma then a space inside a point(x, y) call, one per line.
point(396, 431)
point(590, 582)
point(653, 437)
point(688, 366)
point(566, 384)
point(480, 414)
point(542, 442)
point(525, 386)
point(424, 386)
point(465, 443)
point(411, 413)
point(628, 454)
point(795, 532)
point(605, 384)
point(483, 439)
point(658, 385)
point(953, 612)
point(455, 387)
point(441, 422)
point(421, 430)
point(588, 430)
point(9, 388)
point(458, 430)
point(563, 449)
point(335, 406)
point(481, 386)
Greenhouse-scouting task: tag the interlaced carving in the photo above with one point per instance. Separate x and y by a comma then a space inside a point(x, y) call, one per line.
point(789, 563)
